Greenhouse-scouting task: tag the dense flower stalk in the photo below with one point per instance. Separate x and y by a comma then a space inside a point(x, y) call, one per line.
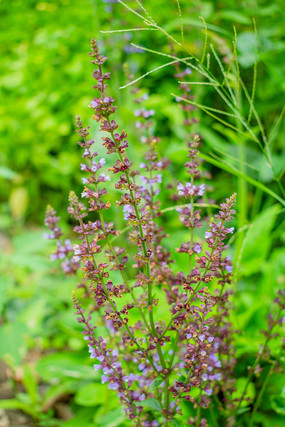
point(186, 354)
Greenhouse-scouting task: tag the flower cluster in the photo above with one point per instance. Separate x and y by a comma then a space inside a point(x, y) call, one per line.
point(64, 248)
point(168, 335)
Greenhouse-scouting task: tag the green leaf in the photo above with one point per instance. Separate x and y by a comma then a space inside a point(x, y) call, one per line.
point(240, 386)
point(7, 173)
point(174, 422)
point(55, 391)
point(278, 404)
point(220, 164)
point(234, 16)
point(155, 384)
point(15, 346)
point(150, 403)
point(91, 395)
point(111, 419)
point(59, 366)
point(17, 404)
point(243, 410)
point(257, 241)
point(82, 418)
point(4, 284)
point(30, 382)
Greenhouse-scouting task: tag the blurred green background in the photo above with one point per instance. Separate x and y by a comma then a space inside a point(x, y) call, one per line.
point(45, 80)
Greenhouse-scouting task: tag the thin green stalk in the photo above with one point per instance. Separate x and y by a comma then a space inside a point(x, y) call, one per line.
point(264, 385)
point(257, 361)
point(242, 199)
point(258, 400)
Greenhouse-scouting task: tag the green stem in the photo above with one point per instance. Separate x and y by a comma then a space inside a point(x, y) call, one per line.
point(258, 400)
point(264, 385)
point(257, 360)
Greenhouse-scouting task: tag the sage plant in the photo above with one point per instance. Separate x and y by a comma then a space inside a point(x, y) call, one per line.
point(157, 364)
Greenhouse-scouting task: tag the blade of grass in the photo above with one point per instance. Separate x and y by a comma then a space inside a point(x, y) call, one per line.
point(275, 127)
point(205, 107)
point(220, 164)
point(180, 21)
point(147, 73)
point(207, 111)
point(127, 30)
point(254, 71)
point(224, 74)
point(206, 39)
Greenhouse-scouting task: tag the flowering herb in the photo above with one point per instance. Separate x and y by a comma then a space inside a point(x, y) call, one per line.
point(154, 362)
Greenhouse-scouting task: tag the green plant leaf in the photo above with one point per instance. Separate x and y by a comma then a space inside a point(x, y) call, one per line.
point(59, 366)
point(7, 173)
point(150, 403)
point(278, 404)
point(17, 404)
point(111, 419)
point(155, 384)
point(220, 164)
point(30, 383)
point(91, 394)
point(15, 346)
point(257, 241)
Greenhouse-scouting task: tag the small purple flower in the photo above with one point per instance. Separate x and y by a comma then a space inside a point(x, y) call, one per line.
point(229, 268)
point(115, 353)
point(104, 379)
point(113, 386)
point(93, 104)
point(96, 367)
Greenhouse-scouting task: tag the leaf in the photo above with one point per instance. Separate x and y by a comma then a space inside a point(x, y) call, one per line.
point(246, 48)
point(257, 241)
point(4, 284)
point(220, 164)
point(58, 366)
point(174, 422)
point(111, 419)
point(278, 404)
point(82, 418)
point(17, 404)
point(55, 391)
point(155, 384)
point(234, 16)
point(7, 173)
point(13, 336)
point(91, 395)
point(150, 403)
point(240, 386)
point(243, 410)
point(30, 383)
